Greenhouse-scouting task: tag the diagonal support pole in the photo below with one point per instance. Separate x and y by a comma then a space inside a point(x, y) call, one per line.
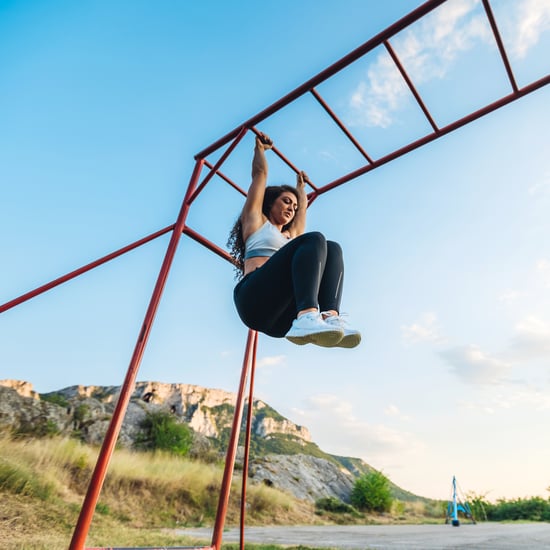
point(98, 477)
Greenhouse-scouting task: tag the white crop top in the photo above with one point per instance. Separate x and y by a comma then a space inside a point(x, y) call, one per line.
point(264, 241)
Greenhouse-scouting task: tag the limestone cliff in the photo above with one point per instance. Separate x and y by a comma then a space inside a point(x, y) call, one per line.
point(282, 455)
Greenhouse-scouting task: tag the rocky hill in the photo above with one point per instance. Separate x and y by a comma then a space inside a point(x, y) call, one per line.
point(282, 453)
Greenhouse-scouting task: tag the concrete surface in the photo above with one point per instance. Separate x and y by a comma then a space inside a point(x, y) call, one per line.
point(483, 536)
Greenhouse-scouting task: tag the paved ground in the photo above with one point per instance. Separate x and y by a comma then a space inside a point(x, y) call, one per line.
point(483, 536)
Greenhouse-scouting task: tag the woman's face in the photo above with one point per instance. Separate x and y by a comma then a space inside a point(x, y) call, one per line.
point(284, 209)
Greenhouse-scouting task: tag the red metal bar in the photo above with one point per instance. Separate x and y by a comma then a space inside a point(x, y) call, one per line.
point(210, 245)
point(398, 26)
point(247, 443)
point(233, 444)
point(216, 167)
point(410, 84)
point(285, 160)
point(340, 124)
point(225, 178)
point(500, 44)
point(152, 548)
point(431, 137)
point(81, 270)
point(100, 471)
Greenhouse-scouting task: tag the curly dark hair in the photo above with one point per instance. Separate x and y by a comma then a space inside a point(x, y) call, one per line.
point(235, 242)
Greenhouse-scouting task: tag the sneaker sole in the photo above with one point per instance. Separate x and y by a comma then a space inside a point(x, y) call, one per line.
point(299, 340)
point(349, 341)
point(326, 339)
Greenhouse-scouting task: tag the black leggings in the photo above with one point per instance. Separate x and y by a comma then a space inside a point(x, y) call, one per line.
point(307, 272)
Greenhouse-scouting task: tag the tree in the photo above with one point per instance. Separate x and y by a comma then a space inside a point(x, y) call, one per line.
point(372, 493)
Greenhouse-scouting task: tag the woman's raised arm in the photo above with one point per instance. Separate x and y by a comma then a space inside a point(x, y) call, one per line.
point(299, 224)
point(251, 216)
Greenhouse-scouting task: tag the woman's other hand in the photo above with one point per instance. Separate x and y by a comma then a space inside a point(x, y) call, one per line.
point(301, 180)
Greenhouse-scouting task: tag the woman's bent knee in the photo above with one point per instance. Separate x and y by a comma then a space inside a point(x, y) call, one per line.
point(314, 238)
point(334, 248)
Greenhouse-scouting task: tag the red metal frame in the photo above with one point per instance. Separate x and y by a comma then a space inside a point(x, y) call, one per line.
point(194, 189)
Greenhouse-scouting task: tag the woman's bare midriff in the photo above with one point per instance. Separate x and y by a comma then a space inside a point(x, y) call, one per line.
point(254, 263)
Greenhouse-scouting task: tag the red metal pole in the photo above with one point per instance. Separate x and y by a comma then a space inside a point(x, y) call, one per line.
point(410, 84)
point(100, 471)
point(222, 159)
point(500, 44)
point(225, 178)
point(340, 124)
point(375, 41)
point(435, 135)
point(233, 444)
point(81, 270)
point(207, 244)
point(247, 442)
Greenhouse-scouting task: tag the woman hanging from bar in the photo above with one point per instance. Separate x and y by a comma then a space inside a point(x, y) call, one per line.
point(290, 281)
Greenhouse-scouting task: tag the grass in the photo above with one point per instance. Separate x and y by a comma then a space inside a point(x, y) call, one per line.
point(145, 496)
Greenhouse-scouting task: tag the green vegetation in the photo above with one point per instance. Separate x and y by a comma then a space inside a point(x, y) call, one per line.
point(43, 482)
point(55, 398)
point(38, 427)
point(519, 509)
point(331, 504)
point(145, 494)
point(267, 412)
point(161, 431)
point(372, 493)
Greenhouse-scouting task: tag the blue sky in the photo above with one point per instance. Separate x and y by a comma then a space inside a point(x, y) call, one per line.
point(103, 106)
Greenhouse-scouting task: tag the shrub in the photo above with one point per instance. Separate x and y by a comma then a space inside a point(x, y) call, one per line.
point(55, 398)
point(372, 493)
point(332, 504)
point(532, 509)
point(162, 432)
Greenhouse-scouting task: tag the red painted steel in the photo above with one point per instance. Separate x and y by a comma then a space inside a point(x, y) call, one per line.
point(442, 131)
point(151, 548)
point(247, 443)
point(233, 442)
point(340, 124)
point(100, 471)
point(359, 52)
point(208, 244)
point(277, 152)
point(81, 270)
point(410, 84)
point(194, 189)
point(225, 178)
point(500, 44)
point(208, 177)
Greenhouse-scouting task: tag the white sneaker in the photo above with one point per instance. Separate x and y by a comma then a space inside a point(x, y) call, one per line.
point(352, 337)
point(310, 328)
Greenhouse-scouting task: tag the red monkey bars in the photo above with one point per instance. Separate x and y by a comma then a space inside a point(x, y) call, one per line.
point(231, 141)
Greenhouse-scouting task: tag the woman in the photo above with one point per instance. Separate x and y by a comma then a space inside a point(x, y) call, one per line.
point(291, 282)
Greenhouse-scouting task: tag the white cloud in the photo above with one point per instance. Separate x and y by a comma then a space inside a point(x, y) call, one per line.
point(394, 412)
point(427, 51)
point(422, 330)
point(510, 296)
point(541, 187)
point(271, 361)
point(336, 429)
point(474, 366)
point(543, 269)
point(530, 398)
point(531, 20)
point(532, 338)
